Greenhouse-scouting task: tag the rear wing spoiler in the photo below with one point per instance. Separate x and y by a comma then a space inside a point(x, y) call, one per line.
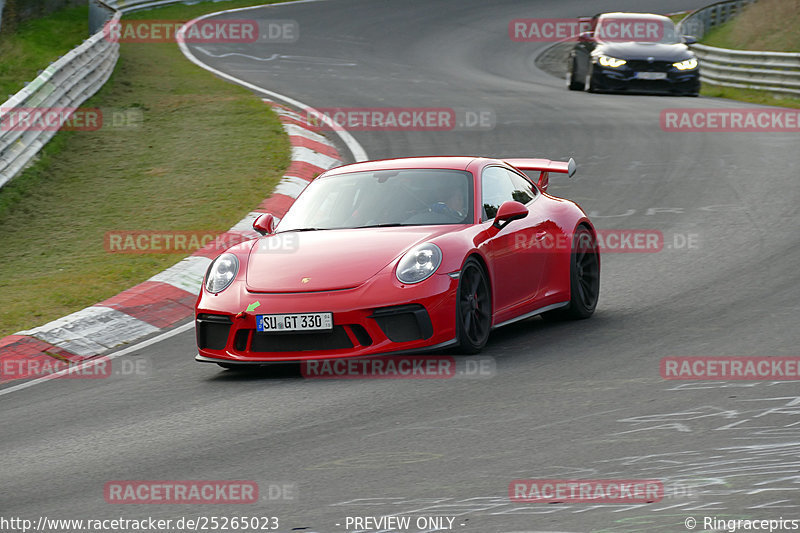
point(544, 167)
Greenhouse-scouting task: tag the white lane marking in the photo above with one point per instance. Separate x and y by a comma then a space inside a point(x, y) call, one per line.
point(186, 275)
point(302, 154)
point(92, 362)
point(291, 186)
point(293, 130)
point(291, 59)
point(273, 57)
point(86, 332)
point(352, 144)
point(283, 111)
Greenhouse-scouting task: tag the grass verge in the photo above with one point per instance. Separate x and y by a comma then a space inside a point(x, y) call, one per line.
point(767, 25)
point(749, 95)
point(37, 43)
point(203, 154)
point(677, 17)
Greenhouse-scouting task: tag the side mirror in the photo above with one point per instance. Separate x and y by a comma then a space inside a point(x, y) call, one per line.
point(585, 36)
point(509, 212)
point(689, 39)
point(264, 224)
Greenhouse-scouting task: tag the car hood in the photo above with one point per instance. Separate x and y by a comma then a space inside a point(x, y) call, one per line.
point(658, 51)
point(327, 260)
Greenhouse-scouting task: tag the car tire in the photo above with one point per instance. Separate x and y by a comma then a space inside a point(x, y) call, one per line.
point(473, 308)
point(584, 279)
point(572, 83)
point(590, 85)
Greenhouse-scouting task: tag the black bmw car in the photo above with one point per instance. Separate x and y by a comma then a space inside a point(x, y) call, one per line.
point(634, 52)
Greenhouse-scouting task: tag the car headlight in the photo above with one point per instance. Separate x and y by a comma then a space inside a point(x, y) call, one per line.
point(608, 61)
point(419, 263)
point(687, 64)
point(221, 273)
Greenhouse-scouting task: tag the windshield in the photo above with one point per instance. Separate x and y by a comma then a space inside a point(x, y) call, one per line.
point(409, 197)
point(636, 29)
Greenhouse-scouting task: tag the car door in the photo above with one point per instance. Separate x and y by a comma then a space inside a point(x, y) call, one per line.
point(517, 263)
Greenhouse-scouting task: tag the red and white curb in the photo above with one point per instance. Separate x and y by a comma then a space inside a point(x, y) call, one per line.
point(168, 297)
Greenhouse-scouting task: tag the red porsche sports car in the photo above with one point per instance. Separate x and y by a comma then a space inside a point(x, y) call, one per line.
point(401, 255)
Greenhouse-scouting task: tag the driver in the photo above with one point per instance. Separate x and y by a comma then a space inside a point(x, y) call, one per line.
point(455, 203)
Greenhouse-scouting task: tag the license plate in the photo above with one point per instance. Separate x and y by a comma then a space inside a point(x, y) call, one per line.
point(295, 322)
point(651, 75)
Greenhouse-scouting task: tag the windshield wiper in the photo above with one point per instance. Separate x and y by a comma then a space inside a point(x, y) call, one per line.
point(302, 229)
point(385, 225)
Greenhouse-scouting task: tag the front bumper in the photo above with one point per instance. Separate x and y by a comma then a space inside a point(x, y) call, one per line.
point(368, 320)
point(624, 79)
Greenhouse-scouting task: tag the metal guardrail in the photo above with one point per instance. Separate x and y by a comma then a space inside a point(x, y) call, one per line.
point(698, 22)
point(126, 6)
point(777, 72)
point(767, 71)
point(64, 85)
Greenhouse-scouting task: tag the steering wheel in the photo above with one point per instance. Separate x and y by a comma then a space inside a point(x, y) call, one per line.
point(444, 209)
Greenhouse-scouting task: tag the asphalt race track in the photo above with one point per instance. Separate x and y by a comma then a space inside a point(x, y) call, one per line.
point(581, 400)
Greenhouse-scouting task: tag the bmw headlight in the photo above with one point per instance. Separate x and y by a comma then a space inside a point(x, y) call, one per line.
point(419, 263)
point(687, 64)
point(608, 61)
point(221, 273)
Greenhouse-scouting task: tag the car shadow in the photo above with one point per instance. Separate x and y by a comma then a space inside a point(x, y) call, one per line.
point(642, 93)
point(272, 371)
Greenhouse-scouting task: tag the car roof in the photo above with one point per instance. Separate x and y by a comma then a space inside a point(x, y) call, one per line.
point(443, 162)
point(625, 15)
